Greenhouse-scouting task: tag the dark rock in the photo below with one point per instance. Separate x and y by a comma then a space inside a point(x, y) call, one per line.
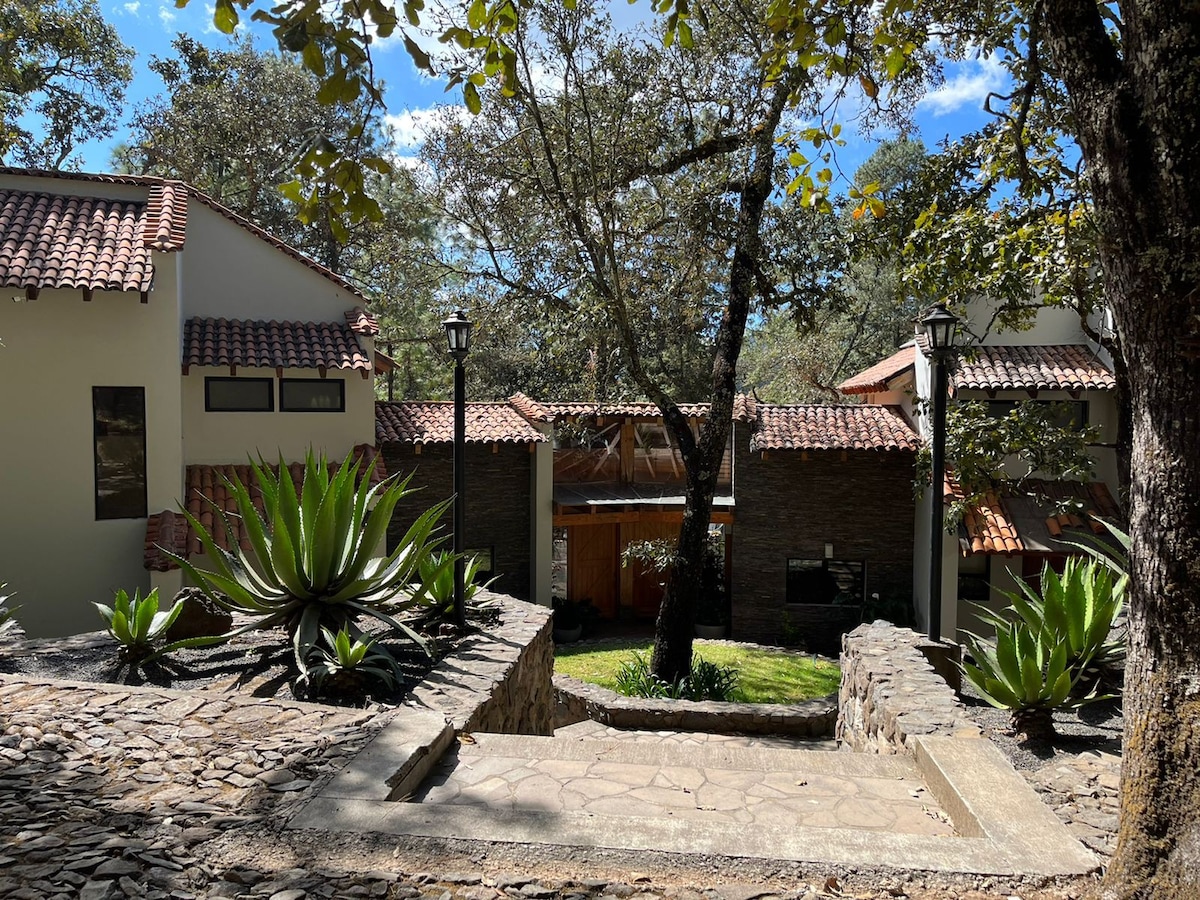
point(201, 617)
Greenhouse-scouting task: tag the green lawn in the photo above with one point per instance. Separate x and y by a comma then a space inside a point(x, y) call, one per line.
point(763, 676)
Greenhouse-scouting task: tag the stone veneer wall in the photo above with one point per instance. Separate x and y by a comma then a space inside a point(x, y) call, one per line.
point(510, 665)
point(790, 504)
point(890, 692)
point(577, 701)
point(499, 501)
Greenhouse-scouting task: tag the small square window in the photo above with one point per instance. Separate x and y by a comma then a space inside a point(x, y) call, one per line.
point(239, 395)
point(312, 395)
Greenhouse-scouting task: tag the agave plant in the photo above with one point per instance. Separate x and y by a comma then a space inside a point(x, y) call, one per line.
point(437, 576)
point(8, 620)
point(348, 665)
point(1021, 672)
point(137, 624)
point(312, 562)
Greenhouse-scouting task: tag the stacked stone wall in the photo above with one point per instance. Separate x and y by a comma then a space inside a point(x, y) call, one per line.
point(890, 692)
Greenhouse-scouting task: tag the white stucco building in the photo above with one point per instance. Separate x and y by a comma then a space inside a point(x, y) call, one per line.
point(149, 335)
point(1006, 535)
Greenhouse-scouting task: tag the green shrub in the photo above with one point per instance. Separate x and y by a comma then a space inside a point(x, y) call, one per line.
point(137, 624)
point(312, 562)
point(706, 681)
point(8, 621)
point(437, 575)
point(349, 666)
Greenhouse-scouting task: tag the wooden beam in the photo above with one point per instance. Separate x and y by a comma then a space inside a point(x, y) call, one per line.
point(88, 294)
point(627, 452)
point(31, 293)
point(145, 296)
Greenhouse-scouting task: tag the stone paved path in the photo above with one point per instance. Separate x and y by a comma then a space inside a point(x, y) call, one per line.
point(757, 788)
point(1084, 792)
point(595, 731)
point(110, 792)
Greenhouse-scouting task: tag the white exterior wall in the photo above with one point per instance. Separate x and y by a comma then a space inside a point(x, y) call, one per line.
point(1052, 325)
point(232, 437)
point(53, 552)
point(230, 273)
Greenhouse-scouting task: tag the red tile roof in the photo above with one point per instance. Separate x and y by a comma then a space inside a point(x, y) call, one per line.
point(636, 410)
point(875, 379)
point(174, 199)
point(169, 530)
point(425, 422)
point(90, 243)
point(531, 409)
point(1002, 522)
point(745, 408)
point(1064, 367)
point(362, 322)
point(814, 427)
point(272, 345)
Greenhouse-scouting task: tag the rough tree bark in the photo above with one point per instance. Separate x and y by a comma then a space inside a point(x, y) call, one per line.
point(672, 657)
point(1136, 107)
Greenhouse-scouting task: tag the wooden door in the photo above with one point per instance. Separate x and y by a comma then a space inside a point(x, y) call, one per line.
point(644, 586)
point(593, 566)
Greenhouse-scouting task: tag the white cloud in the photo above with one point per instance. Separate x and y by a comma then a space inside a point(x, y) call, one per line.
point(967, 87)
point(132, 8)
point(166, 15)
point(410, 127)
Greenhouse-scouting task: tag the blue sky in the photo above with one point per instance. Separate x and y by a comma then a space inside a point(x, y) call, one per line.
point(149, 26)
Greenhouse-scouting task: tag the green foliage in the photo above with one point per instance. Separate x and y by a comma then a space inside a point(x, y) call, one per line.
point(437, 576)
point(8, 621)
point(63, 72)
point(312, 562)
point(1031, 441)
point(346, 665)
point(707, 681)
point(657, 554)
point(1047, 644)
point(137, 623)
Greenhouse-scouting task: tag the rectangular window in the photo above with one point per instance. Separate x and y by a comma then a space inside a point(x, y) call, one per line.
point(975, 578)
point(312, 395)
point(119, 439)
point(825, 582)
point(239, 395)
point(1067, 413)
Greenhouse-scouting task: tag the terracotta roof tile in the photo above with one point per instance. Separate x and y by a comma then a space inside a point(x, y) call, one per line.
point(362, 322)
point(1067, 367)
point(745, 408)
point(272, 345)
point(990, 525)
point(92, 243)
point(424, 422)
point(814, 427)
point(169, 530)
point(531, 409)
point(876, 378)
point(179, 193)
point(166, 216)
point(636, 409)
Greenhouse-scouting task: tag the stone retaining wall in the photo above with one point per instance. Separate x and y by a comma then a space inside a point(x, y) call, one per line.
point(890, 692)
point(577, 701)
point(509, 665)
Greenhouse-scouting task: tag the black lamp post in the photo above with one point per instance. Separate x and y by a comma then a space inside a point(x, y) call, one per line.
point(940, 327)
point(458, 335)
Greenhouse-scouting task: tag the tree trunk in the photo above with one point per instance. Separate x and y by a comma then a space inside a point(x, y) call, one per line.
point(1135, 108)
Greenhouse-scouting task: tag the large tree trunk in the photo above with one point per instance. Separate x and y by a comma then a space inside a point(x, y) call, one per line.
point(1137, 111)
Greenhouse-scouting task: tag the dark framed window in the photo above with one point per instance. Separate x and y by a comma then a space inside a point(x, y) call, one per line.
point(975, 578)
point(119, 440)
point(825, 582)
point(239, 395)
point(1067, 413)
point(312, 395)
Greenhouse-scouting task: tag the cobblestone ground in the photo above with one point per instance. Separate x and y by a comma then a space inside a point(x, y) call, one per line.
point(1084, 793)
point(108, 792)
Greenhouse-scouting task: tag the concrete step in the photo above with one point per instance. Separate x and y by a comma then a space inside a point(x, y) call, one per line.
point(588, 729)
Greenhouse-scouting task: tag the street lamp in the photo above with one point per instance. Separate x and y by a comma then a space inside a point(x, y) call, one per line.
point(458, 336)
point(941, 327)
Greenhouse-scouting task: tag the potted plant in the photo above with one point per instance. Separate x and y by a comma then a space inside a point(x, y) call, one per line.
point(568, 621)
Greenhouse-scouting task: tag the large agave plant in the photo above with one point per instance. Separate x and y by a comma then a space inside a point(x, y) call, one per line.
point(313, 560)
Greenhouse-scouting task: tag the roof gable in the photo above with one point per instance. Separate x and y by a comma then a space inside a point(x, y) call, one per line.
point(875, 379)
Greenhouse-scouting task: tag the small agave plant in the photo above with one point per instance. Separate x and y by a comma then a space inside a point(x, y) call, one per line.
point(437, 576)
point(349, 666)
point(8, 621)
point(137, 624)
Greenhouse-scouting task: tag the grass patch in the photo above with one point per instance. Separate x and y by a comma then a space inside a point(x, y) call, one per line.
point(764, 676)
